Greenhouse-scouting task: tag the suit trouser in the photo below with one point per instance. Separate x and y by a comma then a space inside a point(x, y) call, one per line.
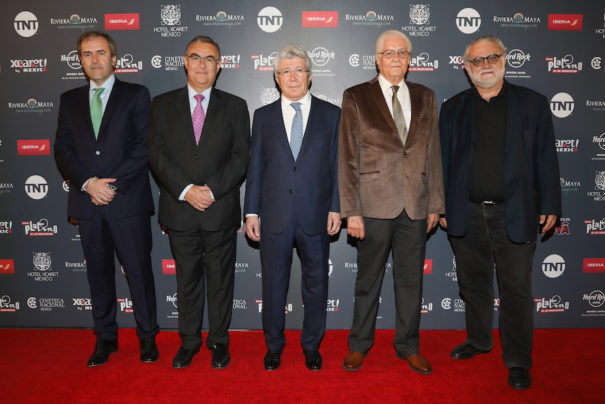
point(407, 240)
point(205, 267)
point(130, 238)
point(486, 242)
point(276, 259)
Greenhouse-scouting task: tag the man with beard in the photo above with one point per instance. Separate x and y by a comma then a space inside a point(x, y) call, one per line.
point(501, 180)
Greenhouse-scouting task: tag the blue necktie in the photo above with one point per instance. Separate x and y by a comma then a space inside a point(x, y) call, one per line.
point(296, 134)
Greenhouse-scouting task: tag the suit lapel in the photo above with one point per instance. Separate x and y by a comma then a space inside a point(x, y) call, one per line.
point(114, 99)
point(183, 117)
point(84, 105)
point(515, 119)
point(307, 137)
point(280, 128)
point(378, 97)
point(415, 108)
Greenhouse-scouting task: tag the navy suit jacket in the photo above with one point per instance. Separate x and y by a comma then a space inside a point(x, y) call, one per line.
point(120, 151)
point(219, 160)
point(531, 170)
point(276, 183)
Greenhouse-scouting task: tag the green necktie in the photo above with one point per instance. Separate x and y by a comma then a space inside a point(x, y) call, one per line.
point(96, 110)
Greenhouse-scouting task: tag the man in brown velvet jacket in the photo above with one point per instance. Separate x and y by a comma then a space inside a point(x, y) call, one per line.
point(391, 192)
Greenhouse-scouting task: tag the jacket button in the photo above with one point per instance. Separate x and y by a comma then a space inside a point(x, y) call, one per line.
point(98, 153)
point(196, 156)
point(294, 168)
point(289, 191)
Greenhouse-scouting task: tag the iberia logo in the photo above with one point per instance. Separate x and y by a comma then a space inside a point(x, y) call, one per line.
point(122, 21)
point(7, 267)
point(33, 147)
point(320, 19)
point(565, 22)
point(168, 267)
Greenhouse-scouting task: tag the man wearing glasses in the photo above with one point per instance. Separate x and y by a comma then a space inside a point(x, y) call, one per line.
point(199, 145)
point(292, 186)
point(501, 182)
point(391, 192)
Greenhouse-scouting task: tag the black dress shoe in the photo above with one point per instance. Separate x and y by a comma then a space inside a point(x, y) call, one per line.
point(220, 356)
point(466, 351)
point(519, 378)
point(102, 351)
point(149, 350)
point(272, 360)
point(312, 359)
point(183, 358)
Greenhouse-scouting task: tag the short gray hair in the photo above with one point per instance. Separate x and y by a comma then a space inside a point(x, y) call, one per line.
point(289, 52)
point(484, 38)
point(392, 33)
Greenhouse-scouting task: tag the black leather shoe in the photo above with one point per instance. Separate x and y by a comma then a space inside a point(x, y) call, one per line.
point(102, 351)
point(220, 356)
point(183, 358)
point(519, 378)
point(312, 359)
point(272, 360)
point(466, 351)
point(149, 350)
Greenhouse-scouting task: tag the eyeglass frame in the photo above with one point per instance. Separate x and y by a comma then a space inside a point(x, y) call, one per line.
point(401, 53)
point(195, 58)
point(480, 60)
point(297, 72)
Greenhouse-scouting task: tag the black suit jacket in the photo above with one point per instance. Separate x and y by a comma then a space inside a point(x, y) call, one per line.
point(219, 160)
point(276, 183)
point(531, 169)
point(120, 151)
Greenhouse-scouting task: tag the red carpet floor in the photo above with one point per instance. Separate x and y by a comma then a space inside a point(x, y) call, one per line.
point(48, 366)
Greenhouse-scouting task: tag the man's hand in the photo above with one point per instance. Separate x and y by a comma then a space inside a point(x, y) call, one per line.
point(199, 197)
point(548, 222)
point(443, 222)
point(253, 228)
point(355, 227)
point(333, 223)
point(99, 191)
point(431, 221)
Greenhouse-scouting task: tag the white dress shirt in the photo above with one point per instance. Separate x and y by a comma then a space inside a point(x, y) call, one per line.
point(403, 95)
point(288, 112)
point(107, 85)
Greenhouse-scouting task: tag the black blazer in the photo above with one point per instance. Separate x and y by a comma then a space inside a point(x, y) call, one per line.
point(119, 152)
point(276, 183)
point(219, 160)
point(531, 169)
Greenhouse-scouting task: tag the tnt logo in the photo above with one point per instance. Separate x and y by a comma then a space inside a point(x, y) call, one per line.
point(26, 24)
point(553, 266)
point(36, 187)
point(269, 19)
point(561, 105)
point(468, 20)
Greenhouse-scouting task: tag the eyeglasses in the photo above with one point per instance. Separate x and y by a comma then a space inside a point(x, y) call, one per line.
point(195, 58)
point(299, 71)
point(491, 59)
point(390, 54)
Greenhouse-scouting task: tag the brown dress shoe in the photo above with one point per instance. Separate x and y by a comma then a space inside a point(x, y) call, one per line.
point(353, 360)
point(419, 364)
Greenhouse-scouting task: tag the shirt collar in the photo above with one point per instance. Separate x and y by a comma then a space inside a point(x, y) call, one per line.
point(386, 85)
point(305, 101)
point(192, 93)
point(107, 85)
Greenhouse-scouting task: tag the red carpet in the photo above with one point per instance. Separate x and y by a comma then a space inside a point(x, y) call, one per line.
point(49, 366)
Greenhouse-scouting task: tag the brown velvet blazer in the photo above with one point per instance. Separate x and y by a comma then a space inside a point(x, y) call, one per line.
point(378, 176)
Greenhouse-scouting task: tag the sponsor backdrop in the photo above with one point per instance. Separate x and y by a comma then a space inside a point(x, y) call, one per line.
point(555, 47)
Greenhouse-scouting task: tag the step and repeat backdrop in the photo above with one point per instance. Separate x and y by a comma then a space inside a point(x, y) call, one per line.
point(555, 47)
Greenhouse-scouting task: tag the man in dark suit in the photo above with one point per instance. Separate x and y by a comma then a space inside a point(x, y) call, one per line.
point(100, 148)
point(391, 192)
point(501, 180)
point(199, 145)
point(292, 187)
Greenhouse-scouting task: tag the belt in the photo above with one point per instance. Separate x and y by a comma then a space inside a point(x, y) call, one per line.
point(489, 203)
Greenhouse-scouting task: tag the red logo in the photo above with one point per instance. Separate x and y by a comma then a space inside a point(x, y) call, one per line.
point(168, 267)
point(33, 147)
point(320, 19)
point(565, 22)
point(593, 265)
point(428, 267)
point(121, 21)
point(7, 267)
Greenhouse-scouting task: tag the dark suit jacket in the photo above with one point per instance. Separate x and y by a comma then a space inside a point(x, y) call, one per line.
point(378, 175)
point(276, 183)
point(219, 160)
point(119, 152)
point(531, 170)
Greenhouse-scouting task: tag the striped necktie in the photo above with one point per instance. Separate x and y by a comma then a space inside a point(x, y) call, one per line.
point(198, 118)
